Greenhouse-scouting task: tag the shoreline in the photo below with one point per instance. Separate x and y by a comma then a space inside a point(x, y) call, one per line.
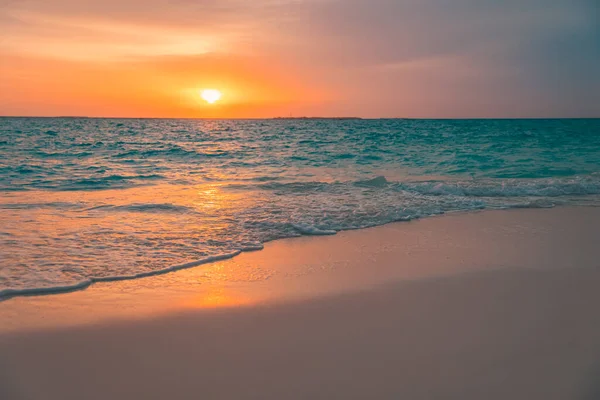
point(306, 267)
point(10, 293)
point(7, 294)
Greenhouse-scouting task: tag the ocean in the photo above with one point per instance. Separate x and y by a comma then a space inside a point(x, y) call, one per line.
point(85, 200)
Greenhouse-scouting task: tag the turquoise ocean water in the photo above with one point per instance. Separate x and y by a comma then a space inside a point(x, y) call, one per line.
point(84, 200)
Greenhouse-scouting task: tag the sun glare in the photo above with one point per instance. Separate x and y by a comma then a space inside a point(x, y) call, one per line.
point(210, 95)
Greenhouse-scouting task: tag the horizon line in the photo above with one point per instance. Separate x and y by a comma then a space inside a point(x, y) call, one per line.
point(292, 118)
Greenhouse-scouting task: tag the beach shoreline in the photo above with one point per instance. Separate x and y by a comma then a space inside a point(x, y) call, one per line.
point(319, 266)
point(491, 304)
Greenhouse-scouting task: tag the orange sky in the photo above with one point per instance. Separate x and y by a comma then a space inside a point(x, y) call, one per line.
point(376, 58)
point(166, 87)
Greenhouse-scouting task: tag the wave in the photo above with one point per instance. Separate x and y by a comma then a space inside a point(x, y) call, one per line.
point(60, 205)
point(175, 151)
point(544, 187)
point(145, 208)
point(379, 181)
point(65, 154)
point(7, 293)
point(23, 169)
point(106, 182)
point(540, 187)
point(312, 230)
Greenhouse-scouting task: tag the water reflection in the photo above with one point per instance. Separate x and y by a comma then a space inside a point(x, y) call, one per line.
point(57, 238)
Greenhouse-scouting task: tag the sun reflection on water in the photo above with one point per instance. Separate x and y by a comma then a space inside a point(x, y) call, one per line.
point(68, 236)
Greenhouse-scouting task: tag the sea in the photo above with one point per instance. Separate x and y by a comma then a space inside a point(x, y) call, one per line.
point(84, 200)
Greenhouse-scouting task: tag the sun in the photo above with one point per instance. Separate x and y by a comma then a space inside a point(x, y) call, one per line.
point(210, 95)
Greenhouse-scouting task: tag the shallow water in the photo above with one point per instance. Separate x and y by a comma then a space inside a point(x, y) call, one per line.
point(100, 199)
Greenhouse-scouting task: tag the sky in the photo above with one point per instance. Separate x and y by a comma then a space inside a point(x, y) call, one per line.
point(270, 58)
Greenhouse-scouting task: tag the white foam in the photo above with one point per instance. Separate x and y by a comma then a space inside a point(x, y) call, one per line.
point(311, 230)
point(253, 247)
point(10, 292)
point(555, 187)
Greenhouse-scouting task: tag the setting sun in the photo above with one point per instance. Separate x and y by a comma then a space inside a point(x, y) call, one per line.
point(210, 95)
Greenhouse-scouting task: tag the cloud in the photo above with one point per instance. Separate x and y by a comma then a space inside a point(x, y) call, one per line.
point(514, 58)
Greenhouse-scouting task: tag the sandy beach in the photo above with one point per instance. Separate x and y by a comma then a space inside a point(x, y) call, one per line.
point(299, 200)
point(487, 305)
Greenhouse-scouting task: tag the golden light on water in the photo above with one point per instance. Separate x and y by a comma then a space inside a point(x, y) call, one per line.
point(210, 95)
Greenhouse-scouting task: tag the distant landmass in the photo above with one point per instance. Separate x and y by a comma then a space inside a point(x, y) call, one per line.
point(317, 118)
